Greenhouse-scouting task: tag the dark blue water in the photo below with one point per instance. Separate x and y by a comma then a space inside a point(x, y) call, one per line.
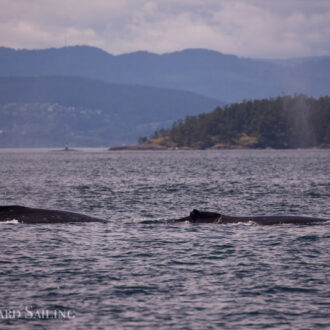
point(132, 274)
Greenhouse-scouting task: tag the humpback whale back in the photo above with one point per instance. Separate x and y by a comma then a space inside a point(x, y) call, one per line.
point(31, 215)
point(212, 217)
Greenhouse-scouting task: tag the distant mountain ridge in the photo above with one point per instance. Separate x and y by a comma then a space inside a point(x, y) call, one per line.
point(210, 73)
point(85, 96)
point(54, 111)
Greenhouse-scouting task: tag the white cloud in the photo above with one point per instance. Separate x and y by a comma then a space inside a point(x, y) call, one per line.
point(255, 28)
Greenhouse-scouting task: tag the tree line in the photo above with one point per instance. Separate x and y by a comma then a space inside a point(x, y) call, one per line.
point(283, 122)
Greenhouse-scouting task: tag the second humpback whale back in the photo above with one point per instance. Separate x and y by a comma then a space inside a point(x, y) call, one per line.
point(31, 215)
point(213, 217)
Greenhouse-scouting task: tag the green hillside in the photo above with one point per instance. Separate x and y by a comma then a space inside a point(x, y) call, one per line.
point(282, 122)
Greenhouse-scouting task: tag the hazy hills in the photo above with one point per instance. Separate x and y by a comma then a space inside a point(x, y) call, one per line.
point(224, 77)
point(84, 96)
point(54, 111)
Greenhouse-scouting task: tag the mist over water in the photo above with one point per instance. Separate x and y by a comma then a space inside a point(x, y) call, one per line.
point(300, 113)
point(128, 273)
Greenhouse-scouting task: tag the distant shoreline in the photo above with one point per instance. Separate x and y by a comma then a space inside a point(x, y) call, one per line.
point(146, 148)
point(150, 147)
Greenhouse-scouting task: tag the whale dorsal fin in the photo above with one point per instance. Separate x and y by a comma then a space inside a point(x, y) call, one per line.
point(194, 214)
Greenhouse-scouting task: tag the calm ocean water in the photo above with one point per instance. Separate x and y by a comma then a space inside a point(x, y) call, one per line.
point(133, 274)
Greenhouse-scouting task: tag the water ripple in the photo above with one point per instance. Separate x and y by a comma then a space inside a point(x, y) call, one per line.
point(139, 271)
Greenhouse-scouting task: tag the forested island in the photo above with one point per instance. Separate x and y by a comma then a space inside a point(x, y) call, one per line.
point(283, 122)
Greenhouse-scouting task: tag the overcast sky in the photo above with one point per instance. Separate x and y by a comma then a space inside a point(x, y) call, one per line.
point(252, 28)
